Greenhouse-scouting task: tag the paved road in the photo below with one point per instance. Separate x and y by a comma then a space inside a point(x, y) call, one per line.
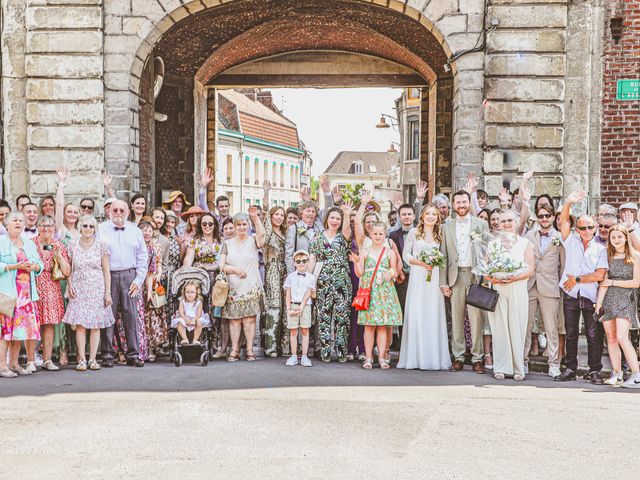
point(264, 420)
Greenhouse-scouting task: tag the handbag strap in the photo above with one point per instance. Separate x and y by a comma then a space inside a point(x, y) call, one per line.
point(375, 270)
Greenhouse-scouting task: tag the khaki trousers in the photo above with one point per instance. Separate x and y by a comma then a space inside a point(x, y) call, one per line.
point(549, 310)
point(458, 304)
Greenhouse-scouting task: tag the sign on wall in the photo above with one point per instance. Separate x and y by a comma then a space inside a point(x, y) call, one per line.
point(628, 89)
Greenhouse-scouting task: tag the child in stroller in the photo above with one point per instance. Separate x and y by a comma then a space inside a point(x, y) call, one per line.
point(190, 317)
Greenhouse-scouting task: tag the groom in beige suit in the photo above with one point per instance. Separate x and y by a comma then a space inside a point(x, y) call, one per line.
point(457, 236)
point(543, 285)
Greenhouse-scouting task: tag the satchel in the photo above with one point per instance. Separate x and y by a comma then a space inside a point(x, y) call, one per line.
point(363, 297)
point(220, 291)
point(159, 296)
point(56, 271)
point(7, 305)
point(482, 297)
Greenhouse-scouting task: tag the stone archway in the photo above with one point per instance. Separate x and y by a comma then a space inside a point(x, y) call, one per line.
point(202, 39)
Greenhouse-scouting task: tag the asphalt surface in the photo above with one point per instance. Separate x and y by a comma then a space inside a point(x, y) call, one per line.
point(264, 420)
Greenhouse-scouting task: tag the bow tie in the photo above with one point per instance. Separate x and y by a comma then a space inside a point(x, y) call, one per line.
point(119, 228)
point(32, 230)
point(544, 234)
point(302, 274)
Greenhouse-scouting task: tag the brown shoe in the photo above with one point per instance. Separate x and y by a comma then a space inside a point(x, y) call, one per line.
point(478, 368)
point(457, 365)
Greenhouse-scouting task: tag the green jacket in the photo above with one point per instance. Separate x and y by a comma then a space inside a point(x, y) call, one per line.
point(8, 256)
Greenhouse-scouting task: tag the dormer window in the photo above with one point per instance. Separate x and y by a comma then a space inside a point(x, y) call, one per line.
point(357, 167)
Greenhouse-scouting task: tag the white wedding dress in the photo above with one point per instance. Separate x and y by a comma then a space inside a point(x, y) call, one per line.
point(425, 344)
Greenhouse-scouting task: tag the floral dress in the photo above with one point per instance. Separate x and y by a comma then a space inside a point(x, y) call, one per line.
point(87, 308)
point(24, 323)
point(245, 297)
point(275, 272)
point(155, 319)
point(173, 264)
point(333, 293)
point(384, 307)
point(51, 305)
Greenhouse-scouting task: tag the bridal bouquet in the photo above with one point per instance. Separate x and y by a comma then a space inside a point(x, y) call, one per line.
point(499, 263)
point(432, 257)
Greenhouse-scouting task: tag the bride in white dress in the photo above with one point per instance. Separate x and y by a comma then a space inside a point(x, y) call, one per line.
point(425, 342)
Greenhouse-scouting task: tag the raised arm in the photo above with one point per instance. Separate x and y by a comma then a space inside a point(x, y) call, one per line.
point(266, 188)
point(62, 178)
point(564, 221)
point(259, 226)
point(525, 210)
point(421, 193)
point(107, 179)
point(205, 180)
point(359, 234)
point(346, 208)
point(628, 220)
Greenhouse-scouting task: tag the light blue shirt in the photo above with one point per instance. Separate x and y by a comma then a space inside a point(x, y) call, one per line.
point(127, 249)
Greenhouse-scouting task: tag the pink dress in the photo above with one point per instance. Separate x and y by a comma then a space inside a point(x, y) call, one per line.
point(24, 323)
point(87, 308)
point(51, 303)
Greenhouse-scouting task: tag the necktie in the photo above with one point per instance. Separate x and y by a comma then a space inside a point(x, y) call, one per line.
point(119, 228)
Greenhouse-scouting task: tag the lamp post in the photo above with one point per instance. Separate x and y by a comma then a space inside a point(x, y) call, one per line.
point(383, 122)
point(392, 148)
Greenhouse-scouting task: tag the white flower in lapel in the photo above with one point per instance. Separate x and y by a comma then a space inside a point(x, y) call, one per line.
point(555, 241)
point(301, 231)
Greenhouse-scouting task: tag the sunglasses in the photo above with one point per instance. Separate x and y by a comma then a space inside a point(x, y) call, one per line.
point(207, 224)
point(88, 226)
point(303, 261)
point(86, 207)
point(582, 229)
point(544, 215)
point(605, 227)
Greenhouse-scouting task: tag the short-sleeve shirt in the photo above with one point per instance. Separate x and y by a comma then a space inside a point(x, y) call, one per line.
point(583, 262)
point(299, 284)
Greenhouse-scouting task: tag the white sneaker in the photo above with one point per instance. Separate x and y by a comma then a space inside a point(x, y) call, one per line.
point(292, 361)
point(49, 365)
point(542, 341)
point(615, 380)
point(305, 362)
point(554, 371)
point(633, 382)
point(39, 361)
point(31, 367)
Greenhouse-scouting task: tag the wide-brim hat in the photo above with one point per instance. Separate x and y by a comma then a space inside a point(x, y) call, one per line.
point(172, 196)
point(629, 206)
point(195, 210)
point(375, 205)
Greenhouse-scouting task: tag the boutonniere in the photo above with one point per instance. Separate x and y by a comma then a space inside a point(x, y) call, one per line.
point(301, 231)
point(555, 241)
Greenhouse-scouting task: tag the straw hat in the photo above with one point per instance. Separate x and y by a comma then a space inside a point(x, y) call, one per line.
point(172, 196)
point(195, 210)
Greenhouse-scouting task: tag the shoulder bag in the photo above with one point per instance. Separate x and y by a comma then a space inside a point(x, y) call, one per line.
point(220, 291)
point(159, 296)
point(481, 297)
point(363, 297)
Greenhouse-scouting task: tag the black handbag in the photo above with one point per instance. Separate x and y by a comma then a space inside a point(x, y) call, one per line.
point(482, 297)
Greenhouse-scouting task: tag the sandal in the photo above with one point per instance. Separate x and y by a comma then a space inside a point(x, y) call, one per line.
point(233, 357)
point(518, 378)
point(48, 365)
point(250, 357)
point(498, 376)
point(343, 359)
point(488, 361)
point(384, 364)
point(82, 366)
point(220, 354)
point(152, 357)
point(184, 342)
point(19, 370)
point(368, 364)
point(93, 364)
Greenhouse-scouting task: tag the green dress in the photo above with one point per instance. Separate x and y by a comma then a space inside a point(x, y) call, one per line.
point(384, 307)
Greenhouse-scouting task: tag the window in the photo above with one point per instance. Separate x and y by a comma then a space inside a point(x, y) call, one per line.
point(273, 174)
point(414, 140)
point(229, 168)
point(282, 175)
point(414, 93)
point(292, 179)
point(247, 167)
point(256, 171)
point(357, 168)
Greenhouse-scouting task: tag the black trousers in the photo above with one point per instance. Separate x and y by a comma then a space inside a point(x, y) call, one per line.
point(593, 330)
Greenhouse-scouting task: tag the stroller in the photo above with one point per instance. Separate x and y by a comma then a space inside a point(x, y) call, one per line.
point(179, 352)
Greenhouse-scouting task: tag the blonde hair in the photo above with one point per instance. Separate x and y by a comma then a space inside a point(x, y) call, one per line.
point(191, 283)
point(436, 228)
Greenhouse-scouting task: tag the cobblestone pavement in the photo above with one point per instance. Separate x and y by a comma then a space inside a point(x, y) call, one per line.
point(330, 421)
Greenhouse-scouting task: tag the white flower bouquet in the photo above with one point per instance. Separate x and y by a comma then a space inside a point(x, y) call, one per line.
point(432, 257)
point(499, 263)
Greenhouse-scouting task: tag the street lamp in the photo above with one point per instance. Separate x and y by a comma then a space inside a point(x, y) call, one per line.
point(392, 148)
point(383, 122)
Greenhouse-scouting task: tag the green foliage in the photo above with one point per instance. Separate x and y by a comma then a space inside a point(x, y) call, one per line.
point(352, 192)
point(315, 188)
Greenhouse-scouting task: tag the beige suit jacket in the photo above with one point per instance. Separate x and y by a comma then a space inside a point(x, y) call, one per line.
point(549, 266)
point(448, 247)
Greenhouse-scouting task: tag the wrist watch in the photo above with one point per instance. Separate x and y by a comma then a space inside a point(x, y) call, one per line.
point(578, 279)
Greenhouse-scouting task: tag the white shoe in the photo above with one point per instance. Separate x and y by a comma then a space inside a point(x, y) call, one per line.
point(615, 380)
point(31, 367)
point(49, 365)
point(292, 361)
point(633, 382)
point(39, 360)
point(305, 362)
point(554, 371)
point(542, 341)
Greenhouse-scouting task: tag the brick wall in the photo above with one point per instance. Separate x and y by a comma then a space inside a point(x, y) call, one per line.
point(620, 180)
point(174, 138)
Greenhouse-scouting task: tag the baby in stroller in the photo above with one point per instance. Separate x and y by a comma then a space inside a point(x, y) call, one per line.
point(190, 316)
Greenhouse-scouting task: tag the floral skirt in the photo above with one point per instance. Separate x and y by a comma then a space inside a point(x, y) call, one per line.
point(250, 304)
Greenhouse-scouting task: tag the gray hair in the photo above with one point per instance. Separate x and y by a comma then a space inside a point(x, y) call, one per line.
point(440, 199)
point(46, 220)
point(607, 209)
point(11, 215)
point(89, 219)
point(241, 217)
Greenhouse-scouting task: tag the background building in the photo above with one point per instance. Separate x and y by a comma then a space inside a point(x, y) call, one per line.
point(408, 111)
point(375, 171)
point(257, 143)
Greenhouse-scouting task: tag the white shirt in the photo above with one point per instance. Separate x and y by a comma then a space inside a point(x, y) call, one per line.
point(463, 241)
point(299, 283)
point(545, 240)
point(583, 262)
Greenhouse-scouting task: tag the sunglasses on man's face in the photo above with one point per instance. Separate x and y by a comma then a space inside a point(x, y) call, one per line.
point(508, 220)
point(542, 216)
point(588, 227)
point(86, 207)
point(605, 227)
point(303, 261)
point(207, 224)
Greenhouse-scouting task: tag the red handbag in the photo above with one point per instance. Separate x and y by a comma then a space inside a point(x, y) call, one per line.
point(363, 297)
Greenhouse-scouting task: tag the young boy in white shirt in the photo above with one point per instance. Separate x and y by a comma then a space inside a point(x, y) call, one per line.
point(300, 287)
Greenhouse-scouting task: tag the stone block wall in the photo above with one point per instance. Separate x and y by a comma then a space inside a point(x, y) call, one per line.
point(620, 159)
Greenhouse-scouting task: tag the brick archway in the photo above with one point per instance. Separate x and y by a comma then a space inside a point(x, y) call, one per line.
point(200, 39)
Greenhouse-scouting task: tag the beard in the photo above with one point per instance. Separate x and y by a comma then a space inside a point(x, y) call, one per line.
point(462, 211)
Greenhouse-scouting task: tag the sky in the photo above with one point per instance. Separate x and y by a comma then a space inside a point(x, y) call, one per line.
point(332, 120)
